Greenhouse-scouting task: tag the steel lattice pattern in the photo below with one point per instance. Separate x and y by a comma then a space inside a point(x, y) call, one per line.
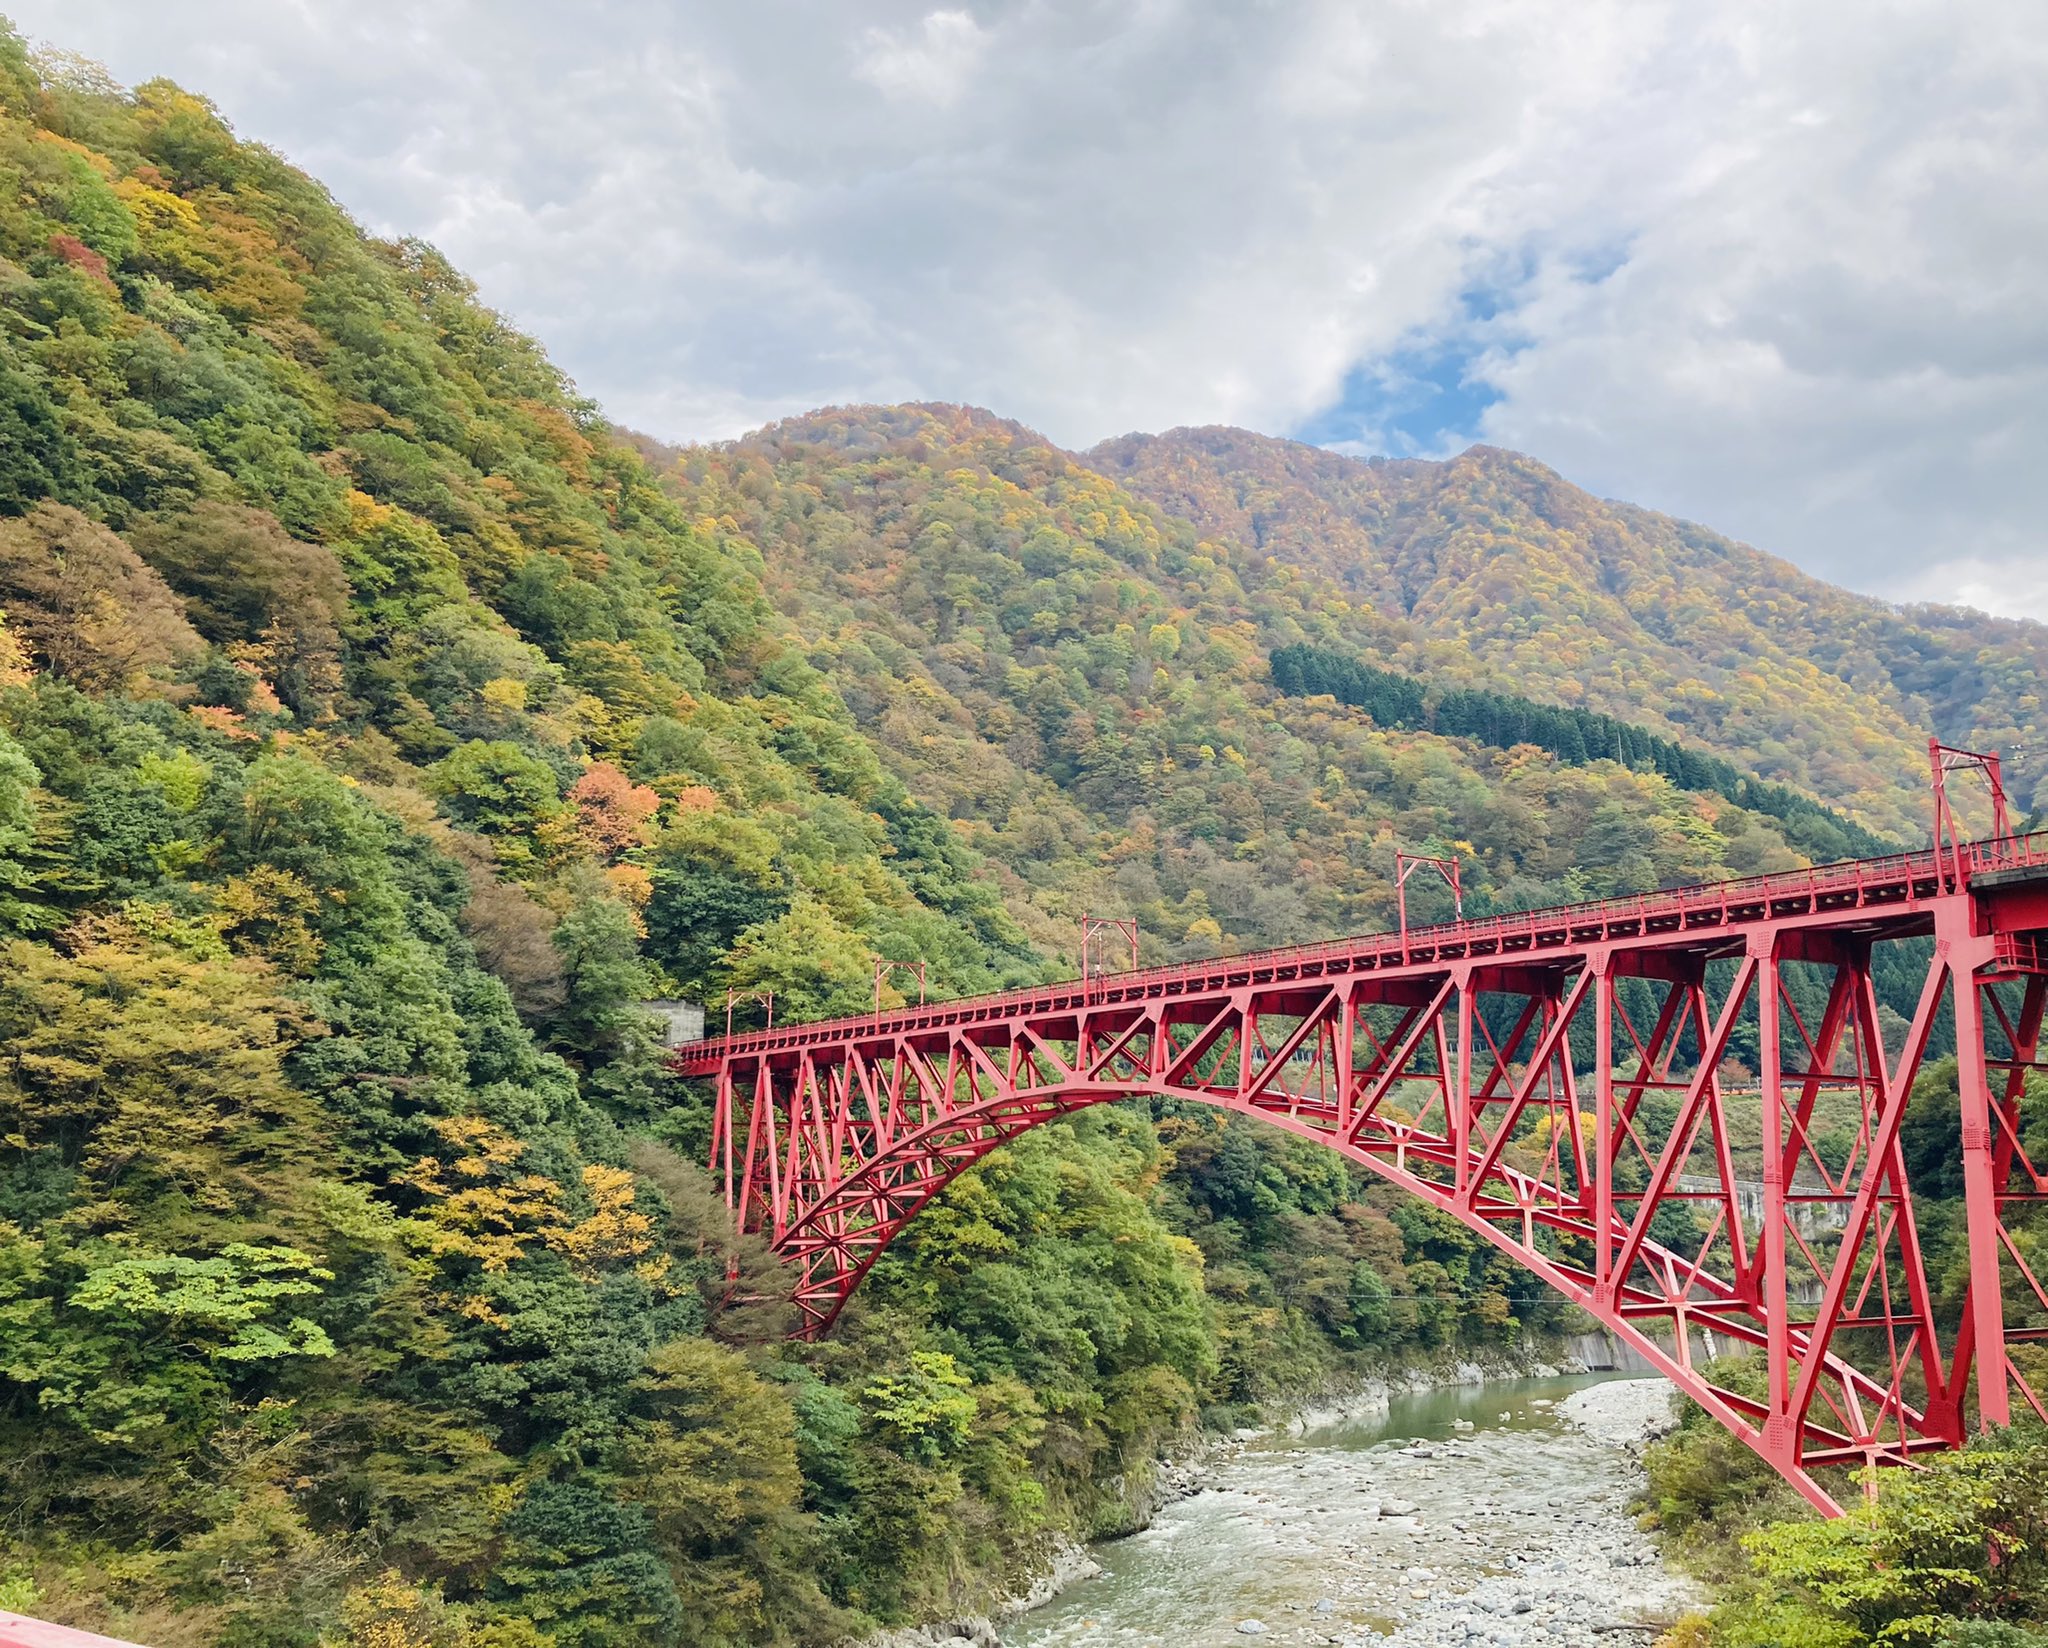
point(1561, 1082)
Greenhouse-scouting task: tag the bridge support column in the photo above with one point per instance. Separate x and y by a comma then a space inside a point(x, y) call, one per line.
point(1460, 1093)
point(1605, 1142)
point(1780, 1441)
point(1980, 1349)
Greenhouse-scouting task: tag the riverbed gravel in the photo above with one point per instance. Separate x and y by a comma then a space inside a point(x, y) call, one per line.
point(1509, 1528)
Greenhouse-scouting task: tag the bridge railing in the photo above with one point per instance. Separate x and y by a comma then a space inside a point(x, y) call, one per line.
point(1428, 943)
point(2006, 852)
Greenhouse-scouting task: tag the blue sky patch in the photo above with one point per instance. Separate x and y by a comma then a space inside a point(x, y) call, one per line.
point(1418, 402)
point(1426, 399)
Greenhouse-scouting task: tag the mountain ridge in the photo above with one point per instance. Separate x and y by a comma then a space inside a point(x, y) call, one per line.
point(1077, 679)
point(1497, 569)
point(1687, 608)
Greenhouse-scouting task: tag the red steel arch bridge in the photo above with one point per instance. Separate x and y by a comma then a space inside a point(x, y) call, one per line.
point(1560, 1081)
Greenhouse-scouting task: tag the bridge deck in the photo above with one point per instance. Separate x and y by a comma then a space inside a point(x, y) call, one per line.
point(1895, 887)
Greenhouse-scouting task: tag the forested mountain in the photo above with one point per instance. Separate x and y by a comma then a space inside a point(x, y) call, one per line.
point(1083, 683)
point(1502, 574)
point(375, 733)
point(379, 727)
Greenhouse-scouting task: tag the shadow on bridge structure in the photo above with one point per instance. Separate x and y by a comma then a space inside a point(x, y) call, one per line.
point(1565, 1083)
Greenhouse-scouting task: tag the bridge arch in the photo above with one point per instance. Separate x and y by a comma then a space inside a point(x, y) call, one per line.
point(1560, 1083)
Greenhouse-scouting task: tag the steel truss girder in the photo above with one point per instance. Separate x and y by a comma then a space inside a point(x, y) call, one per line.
point(1556, 1102)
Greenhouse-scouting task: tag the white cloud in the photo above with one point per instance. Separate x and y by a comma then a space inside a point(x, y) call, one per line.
point(934, 64)
point(1826, 335)
point(1772, 267)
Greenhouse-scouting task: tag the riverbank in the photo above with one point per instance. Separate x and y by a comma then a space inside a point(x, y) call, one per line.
point(1375, 1393)
point(1472, 1516)
point(1191, 1468)
point(1067, 1563)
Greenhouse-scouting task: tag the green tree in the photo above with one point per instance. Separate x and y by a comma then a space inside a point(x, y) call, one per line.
point(601, 1019)
point(711, 1457)
point(925, 1410)
point(815, 965)
point(504, 792)
point(38, 458)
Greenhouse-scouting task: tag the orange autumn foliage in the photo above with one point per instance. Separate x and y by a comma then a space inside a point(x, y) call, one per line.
point(613, 814)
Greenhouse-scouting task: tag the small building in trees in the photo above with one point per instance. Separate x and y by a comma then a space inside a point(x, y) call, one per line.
point(680, 1021)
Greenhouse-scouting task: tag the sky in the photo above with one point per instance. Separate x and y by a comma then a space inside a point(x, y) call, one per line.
point(1778, 268)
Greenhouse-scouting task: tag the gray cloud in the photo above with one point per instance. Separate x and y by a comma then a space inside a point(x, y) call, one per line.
point(1772, 267)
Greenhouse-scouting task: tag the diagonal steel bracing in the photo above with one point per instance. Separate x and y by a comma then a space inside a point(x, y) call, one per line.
point(1563, 1082)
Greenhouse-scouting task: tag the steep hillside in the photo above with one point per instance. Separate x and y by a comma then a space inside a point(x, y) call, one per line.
point(375, 734)
point(1081, 682)
point(1499, 572)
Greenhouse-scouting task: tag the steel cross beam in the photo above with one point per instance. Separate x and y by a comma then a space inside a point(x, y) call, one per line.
point(1554, 1080)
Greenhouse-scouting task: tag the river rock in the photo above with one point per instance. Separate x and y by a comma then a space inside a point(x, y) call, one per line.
point(1623, 1413)
point(1541, 1511)
point(974, 1632)
point(1068, 1565)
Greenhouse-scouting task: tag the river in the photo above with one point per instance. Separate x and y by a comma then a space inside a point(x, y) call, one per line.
point(1469, 1516)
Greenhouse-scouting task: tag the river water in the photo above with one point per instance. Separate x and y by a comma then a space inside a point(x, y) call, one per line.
point(1476, 1515)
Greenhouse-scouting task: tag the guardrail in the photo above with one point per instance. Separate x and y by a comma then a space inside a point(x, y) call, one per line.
point(19, 1631)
